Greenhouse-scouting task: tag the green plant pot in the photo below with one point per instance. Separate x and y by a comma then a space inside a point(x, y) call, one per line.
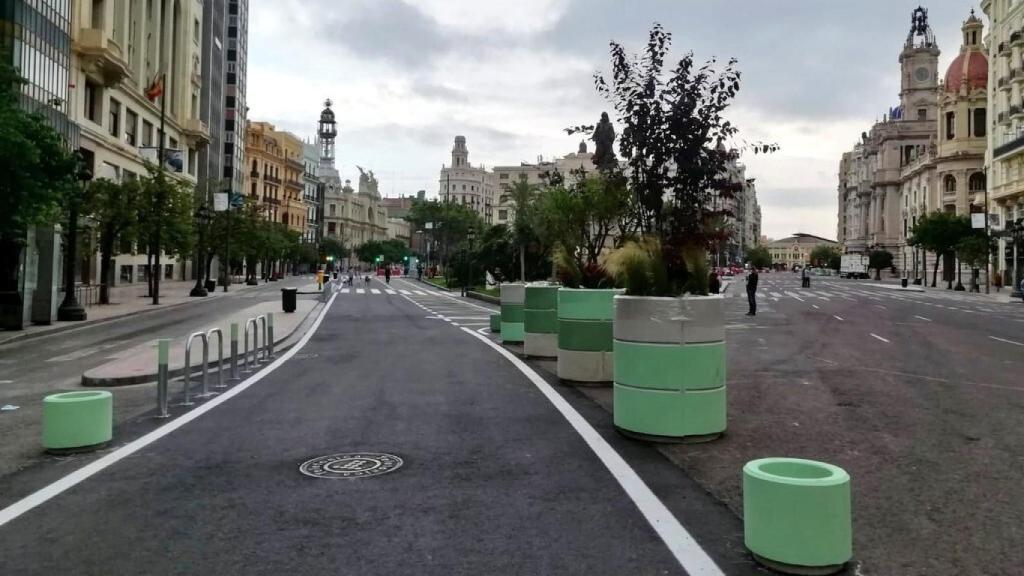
point(796, 515)
point(77, 421)
point(512, 329)
point(540, 320)
point(585, 334)
point(670, 367)
point(496, 322)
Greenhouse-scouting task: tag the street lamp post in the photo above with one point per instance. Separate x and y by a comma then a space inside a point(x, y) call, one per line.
point(70, 309)
point(1017, 231)
point(469, 249)
point(202, 220)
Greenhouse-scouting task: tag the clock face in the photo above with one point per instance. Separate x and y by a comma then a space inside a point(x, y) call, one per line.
point(922, 74)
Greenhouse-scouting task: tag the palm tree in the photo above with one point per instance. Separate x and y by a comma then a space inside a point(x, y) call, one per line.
point(522, 194)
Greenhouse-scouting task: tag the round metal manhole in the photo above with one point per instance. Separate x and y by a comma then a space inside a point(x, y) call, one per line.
point(351, 465)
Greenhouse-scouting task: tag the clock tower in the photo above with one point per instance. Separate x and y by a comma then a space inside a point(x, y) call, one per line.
point(919, 63)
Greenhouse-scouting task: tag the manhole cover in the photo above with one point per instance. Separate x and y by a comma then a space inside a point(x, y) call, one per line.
point(351, 465)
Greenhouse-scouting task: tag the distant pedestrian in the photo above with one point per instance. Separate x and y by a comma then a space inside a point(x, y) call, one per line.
point(752, 292)
point(998, 282)
point(387, 274)
point(714, 284)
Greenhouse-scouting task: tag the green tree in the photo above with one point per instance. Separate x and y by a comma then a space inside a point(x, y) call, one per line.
point(674, 141)
point(336, 248)
point(879, 260)
point(445, 224)
point(37, 174)
point(495, 252)
point(393, 251)
point(759, 257)
point(826, 256)
point(940, 232)
point(974, 250)
point(114, 208)
point(522, 196)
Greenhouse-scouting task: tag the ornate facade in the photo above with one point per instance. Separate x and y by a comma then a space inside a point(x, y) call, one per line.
point(467, 184)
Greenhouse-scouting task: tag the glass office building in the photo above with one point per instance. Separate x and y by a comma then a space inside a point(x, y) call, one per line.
point(36, 36)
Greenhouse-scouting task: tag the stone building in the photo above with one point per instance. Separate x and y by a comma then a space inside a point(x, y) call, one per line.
point(1005, 158)
point(312, 194)
point(795, 250)
point(869, 193)
point(466, 184)
point(535, 175)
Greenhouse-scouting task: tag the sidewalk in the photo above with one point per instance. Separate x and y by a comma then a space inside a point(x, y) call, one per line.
point(940, 287)
point(139, 365)
point(124, 301)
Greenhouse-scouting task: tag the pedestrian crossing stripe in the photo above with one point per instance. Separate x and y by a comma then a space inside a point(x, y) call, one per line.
point(419, 293)
point(360, 291)
point(374, 291)
point(390, 291)
point(404, 292)
point(344, 290)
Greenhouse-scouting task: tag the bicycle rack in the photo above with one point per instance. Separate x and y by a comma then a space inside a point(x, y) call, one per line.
point(220, 358)
point(263, 325)
point(269, 344)
point(163, 355)
point(188, 365)
point(234, 351)
point(255, 344)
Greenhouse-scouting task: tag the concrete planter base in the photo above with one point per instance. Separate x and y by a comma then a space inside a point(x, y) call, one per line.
point(495, 322)
point(77, 421)
point(512, 320)
point(584, 348)
point(576, 366)
point(670, 368)
point(796, 515)
point(540, 345)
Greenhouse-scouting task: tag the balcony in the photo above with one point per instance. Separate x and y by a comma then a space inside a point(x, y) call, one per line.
point(291, 162)
point(1016, 111)
point(1016, 38)
point(271, 200)
point(1004, 49)
point(101, 56)
point(1014, 146)
point(293, 184)
point(1003, 118)
point(271, 179)
point(196, 132)
point(254, 174)
point(1003, 83)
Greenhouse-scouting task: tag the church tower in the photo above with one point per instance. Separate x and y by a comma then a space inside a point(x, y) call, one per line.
point(460, 154)
point(919, 64)
point(327, 131)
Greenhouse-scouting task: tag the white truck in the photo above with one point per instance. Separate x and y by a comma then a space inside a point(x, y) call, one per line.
point(853, 266)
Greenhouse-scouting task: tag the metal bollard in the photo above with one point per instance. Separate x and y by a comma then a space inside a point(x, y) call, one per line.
point(255, 345)
point(270, 334)
point(263, 326)
point(188, 364)
point(220, 356)
point(163, 348)
point(234, 351)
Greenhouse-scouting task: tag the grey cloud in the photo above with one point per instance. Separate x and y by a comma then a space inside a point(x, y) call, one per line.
point(434, 91)
point(796, 197)
point(388, 30)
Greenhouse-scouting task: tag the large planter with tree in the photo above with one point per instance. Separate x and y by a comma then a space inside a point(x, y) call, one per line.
point(512, 297)
point(540, 320)
point(670, 366)
point(585, 334)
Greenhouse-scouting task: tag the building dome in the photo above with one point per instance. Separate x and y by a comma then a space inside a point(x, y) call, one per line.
point(970, 68)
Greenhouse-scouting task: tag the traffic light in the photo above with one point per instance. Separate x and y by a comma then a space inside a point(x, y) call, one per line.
point(405, 258)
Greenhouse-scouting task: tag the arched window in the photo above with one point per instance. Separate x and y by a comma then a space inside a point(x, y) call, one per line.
point(949, 183)
point(976, 182)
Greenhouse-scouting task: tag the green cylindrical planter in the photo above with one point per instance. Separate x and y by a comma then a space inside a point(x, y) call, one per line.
point(669, 359)
point(796, 515)
point(77, 421)
point(496, 322)
point(585, 334)
point(512, 296)
point(540, 320)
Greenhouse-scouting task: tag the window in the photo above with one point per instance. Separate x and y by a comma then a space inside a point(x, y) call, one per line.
point(979, 122)
point(141, 273)
point(503, 176)
point(253, 193)
point(502, 214)
point(173, 144)
point(131, 127)
point(977, 182)
point(331, 230)
point(192, 161)
point(333, 210)
point(114, 126)
point(147, 133)
point(93, 101)
point(950, 125)
point(97, 14)
point(126, 273)
point(168, 271)
point(922, 113)
point(949, 184)
point(195, 31)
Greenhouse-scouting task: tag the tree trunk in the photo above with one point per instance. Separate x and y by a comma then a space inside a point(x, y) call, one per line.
point(522, 263)
point(149, 275)
point(106, 255)
point(935, 269)
point(209, 264)
point(10, 297)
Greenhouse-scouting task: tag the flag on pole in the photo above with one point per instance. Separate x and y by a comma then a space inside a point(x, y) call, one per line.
point(156, 89)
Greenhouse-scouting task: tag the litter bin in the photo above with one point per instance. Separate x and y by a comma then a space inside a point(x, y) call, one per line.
point(211, 285)
point(903, 282)
point(288, 298)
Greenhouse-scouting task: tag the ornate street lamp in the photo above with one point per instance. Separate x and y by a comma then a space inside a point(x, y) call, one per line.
point(203, 218)
point(70, 309)
point(469, 251)
point(1016, 231)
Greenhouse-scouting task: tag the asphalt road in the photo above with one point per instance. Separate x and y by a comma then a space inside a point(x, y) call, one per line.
point(58, 360)
point(918, 396)
point(495, 480)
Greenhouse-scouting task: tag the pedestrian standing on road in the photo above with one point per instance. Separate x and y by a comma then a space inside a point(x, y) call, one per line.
point(387, 274)
point(752, 291)
point(714, 285)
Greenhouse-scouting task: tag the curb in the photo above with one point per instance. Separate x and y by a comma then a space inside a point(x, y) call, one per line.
point(484, 297)
point(434, 286)
point(212, 367)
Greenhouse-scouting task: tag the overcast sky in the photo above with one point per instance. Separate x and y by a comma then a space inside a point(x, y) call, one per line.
point(407, 76)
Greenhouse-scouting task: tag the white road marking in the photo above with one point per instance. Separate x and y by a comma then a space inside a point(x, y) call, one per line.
point(418, 292)
point(680, 543)
point(815, 306)
point(880, 306)
point(345, 290)
point(795, 296)
point(922, 318)
point(838, 318)
point(374, 291)
point(360, 291)
point(482, 330)
point(1007, 341)
point(389, 291)
point(50, 491)
point(776, 294)
point(405, 292)
point(873, 335)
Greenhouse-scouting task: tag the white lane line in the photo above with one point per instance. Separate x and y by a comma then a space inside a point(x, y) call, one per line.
point(873, 335)
point(838, 318)
point(815, 306)
point(1007, 341)
point(923, 318)
point(360, 291)
point(404, 292)
point(390, 291)
point(795, 296)
point(680, 543)
point(419, 293)
point(50, 491)
point(776, 294)
point(483, 330)
point(374, 291)
point(345, 290)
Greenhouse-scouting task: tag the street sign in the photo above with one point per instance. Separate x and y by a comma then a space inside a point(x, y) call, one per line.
point(977, 220)
point(220, 201)
point(237, 200)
